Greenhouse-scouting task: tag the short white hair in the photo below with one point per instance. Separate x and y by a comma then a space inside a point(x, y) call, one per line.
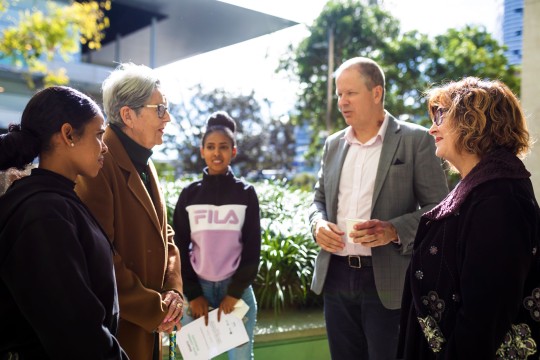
point(128, 85)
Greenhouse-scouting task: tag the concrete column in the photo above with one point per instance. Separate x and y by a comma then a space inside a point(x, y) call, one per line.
point(117, 49)
point(153, 40)
point(530, 85)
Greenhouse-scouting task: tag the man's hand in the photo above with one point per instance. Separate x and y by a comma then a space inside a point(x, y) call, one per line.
point(328, 236)
point(374, 233)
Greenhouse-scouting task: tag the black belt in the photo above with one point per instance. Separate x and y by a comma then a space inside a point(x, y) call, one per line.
point(355, 261)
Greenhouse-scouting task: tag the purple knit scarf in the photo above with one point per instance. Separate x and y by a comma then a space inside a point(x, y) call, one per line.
point(499, 164)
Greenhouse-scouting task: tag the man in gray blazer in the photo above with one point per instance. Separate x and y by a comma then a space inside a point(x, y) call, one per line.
point(385, 171)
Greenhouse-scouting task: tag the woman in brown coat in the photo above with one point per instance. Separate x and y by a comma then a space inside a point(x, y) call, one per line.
point(126, 199)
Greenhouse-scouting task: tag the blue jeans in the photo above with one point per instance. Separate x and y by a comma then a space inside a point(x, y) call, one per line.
point(214, 292)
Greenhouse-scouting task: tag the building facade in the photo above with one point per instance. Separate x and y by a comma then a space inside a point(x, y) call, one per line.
point(530, 86)
point(150, 32)
point(513, 30)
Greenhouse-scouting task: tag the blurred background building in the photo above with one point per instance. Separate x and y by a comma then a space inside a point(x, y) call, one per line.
point(160, 32)
point(512, 27)
point(151, 32)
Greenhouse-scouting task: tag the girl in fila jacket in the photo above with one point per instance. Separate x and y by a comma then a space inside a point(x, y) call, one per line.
point(217, 228)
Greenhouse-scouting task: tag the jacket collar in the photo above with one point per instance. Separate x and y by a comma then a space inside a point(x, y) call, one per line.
point(153, 206)
point(138, 154)
point(499, 164)
point(390, 144)
point(228, 174)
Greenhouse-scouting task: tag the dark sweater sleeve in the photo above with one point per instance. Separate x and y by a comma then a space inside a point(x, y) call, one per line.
point(182, 238)
point(251, 248)
point(52, 287)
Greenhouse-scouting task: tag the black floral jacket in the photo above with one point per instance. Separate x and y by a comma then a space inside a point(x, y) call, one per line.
point(473, 286)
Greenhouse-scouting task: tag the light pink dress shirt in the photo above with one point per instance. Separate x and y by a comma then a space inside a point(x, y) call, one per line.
point(357, 183)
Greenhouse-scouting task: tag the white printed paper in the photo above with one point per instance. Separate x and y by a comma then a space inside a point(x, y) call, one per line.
point(197, 341)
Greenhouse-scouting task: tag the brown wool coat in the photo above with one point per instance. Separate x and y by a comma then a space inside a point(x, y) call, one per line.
point(147, 262)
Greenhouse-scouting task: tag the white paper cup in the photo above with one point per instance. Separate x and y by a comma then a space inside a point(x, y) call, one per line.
point(350, 224)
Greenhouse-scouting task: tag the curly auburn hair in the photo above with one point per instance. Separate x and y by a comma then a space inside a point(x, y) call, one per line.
point(485, 115)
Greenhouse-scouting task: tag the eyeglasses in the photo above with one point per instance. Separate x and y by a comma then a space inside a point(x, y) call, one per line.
point(161, 109)
point(438, 116)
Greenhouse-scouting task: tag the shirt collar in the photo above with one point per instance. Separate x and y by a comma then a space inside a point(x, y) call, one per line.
point(351, 138)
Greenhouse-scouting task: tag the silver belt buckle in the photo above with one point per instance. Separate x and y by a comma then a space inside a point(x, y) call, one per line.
point(356, 257)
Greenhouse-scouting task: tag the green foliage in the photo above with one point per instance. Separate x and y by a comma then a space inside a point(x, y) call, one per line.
point(288, 251)
point(303, 181)
point(263, 142)
point(358, 31)
point(165, 170)
point(411, 61)
point(471, 51)
point(171, 192)
point(38, 36)
point(403, 65)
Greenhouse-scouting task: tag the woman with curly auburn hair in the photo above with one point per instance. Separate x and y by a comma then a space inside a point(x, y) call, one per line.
point(473, 286)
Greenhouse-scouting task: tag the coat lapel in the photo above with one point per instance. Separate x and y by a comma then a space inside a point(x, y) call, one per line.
point(335, 172)
point(158, 195)
point(390, 144)
point(134, 182)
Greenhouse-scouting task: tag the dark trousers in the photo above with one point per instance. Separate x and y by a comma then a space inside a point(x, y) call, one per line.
point(359, 327)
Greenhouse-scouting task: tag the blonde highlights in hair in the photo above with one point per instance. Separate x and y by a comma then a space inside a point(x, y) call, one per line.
point(484, 114)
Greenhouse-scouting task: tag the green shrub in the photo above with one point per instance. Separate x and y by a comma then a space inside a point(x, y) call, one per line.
point(171, 192)
point(288, 251)
point(305, 181)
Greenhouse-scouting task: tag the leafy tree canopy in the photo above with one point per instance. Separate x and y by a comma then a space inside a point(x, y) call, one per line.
point(39, 36)
point(263, 142)
point(471, 51)
point(412, 61)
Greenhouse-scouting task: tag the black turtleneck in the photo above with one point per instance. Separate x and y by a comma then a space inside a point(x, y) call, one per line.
point(138, 154)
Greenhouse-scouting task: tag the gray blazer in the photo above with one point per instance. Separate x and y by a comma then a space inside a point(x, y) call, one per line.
point(409, 181)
